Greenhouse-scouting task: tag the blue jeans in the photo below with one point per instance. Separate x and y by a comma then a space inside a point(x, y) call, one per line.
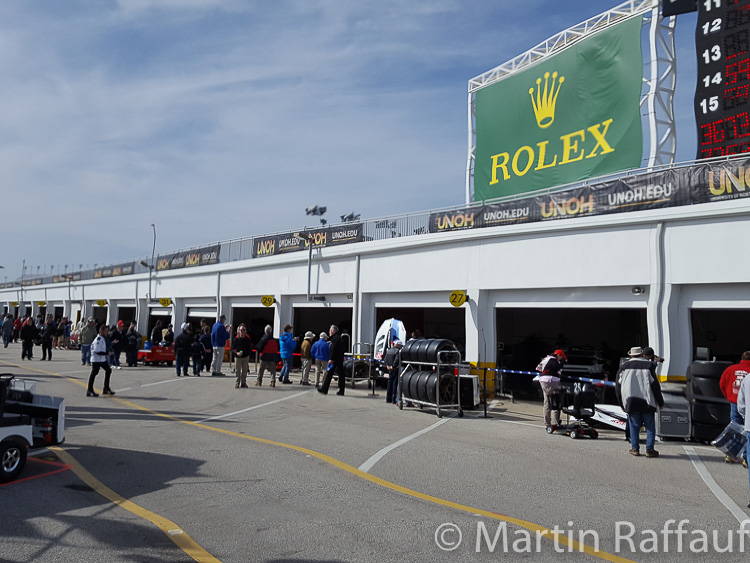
point(182, 361)
point(85, 353)
point(735, 416)
point(638, 419)
point(391, 393)
point(747, 456)
point(284, 374)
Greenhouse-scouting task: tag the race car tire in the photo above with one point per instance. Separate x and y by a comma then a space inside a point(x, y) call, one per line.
point(422, 385)
point(441, 345)
point(421, 349)
point(703, 368)
point(710, 413)
point(406, 382)
point(704, 387)
point(447, 389)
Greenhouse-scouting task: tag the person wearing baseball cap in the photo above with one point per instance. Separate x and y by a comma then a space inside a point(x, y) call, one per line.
point(550, 382)
point(306, 349)
point(393, 363)
point(319, 353)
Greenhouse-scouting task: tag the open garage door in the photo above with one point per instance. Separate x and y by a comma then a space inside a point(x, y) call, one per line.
point(163, 314)
point(100, 314)
point(126, 315)
point(432, 322)
point(195, 315)
point(594, 339)
point(255, 319)
point(319, 319)
point(723, 332)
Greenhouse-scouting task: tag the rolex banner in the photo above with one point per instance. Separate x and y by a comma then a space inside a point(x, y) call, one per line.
point(293, 242)
point(571, 117)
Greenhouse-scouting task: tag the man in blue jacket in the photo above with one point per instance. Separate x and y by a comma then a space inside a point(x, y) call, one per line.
point(219, 337)
point(319, 353)
point(288, 345)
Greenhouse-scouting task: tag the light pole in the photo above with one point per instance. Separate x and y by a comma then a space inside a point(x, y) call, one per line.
point(69, 277)
point(23, 271)
point(151, 265)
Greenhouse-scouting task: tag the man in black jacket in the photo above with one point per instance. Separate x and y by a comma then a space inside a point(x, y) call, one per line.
point(335, 362)
point(182, 345)
point(639, 394)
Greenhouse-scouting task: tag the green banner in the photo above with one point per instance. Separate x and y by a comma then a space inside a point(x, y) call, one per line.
point(573, 116)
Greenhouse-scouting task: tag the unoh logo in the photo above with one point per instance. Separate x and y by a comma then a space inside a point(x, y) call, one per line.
point(266, 247)
point(456, 221)
point(568, 207)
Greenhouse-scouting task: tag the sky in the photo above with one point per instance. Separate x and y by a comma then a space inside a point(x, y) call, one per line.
point(221, 119)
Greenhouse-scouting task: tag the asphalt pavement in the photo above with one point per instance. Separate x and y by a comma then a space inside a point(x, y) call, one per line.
point(192, 469)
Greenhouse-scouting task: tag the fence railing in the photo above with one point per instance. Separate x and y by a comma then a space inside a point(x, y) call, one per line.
point(394, 226)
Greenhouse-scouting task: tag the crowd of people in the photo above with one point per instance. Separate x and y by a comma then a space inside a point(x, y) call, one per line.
point(40, 330)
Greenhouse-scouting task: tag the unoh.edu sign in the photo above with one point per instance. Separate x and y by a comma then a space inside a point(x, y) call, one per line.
point(189, 258)
point(686, 186)
point(293, 242)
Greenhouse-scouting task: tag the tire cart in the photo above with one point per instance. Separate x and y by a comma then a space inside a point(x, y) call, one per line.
point(430, 375)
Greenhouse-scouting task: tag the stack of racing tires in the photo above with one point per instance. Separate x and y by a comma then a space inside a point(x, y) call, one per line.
point(709, 409)
point(424, 382)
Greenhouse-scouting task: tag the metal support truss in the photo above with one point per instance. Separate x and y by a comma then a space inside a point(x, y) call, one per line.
point(660, 86)
point(660, 95)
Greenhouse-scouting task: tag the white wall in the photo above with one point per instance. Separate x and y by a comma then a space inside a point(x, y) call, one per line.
point(682, 258)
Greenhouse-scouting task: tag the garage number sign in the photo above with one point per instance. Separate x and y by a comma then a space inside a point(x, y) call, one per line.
point(41, 303)
point(267, 300)
point(14, 303)
point(165, 302)
point(458, 298)
point(101, 302)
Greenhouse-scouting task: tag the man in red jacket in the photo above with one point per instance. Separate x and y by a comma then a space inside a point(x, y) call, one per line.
point(731, 381)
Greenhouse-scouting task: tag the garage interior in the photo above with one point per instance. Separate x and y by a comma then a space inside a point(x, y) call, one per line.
point(526, 335)
point(317, 320)
point(255, 319)
point(723, 332)
point(433, 322)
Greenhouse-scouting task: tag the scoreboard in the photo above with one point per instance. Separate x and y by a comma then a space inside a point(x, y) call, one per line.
point(722, 104)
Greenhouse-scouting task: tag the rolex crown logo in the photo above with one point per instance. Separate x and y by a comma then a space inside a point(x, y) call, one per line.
point(544, 104)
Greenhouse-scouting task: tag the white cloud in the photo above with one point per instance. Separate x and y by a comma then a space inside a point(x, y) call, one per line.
point(218, 118)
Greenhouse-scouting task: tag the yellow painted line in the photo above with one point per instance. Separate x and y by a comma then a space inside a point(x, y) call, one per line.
point(545, 532)
point(172, 530)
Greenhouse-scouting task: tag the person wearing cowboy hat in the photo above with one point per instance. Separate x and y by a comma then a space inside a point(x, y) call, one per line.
point(639, 394)
point(306, 349)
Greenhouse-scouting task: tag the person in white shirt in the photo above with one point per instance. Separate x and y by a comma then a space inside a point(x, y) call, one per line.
point(100, 351)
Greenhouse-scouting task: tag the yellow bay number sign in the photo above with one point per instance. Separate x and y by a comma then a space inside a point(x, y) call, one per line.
point(165, 301)
point(101, 302)
point(458, 298)
point(267, 300)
